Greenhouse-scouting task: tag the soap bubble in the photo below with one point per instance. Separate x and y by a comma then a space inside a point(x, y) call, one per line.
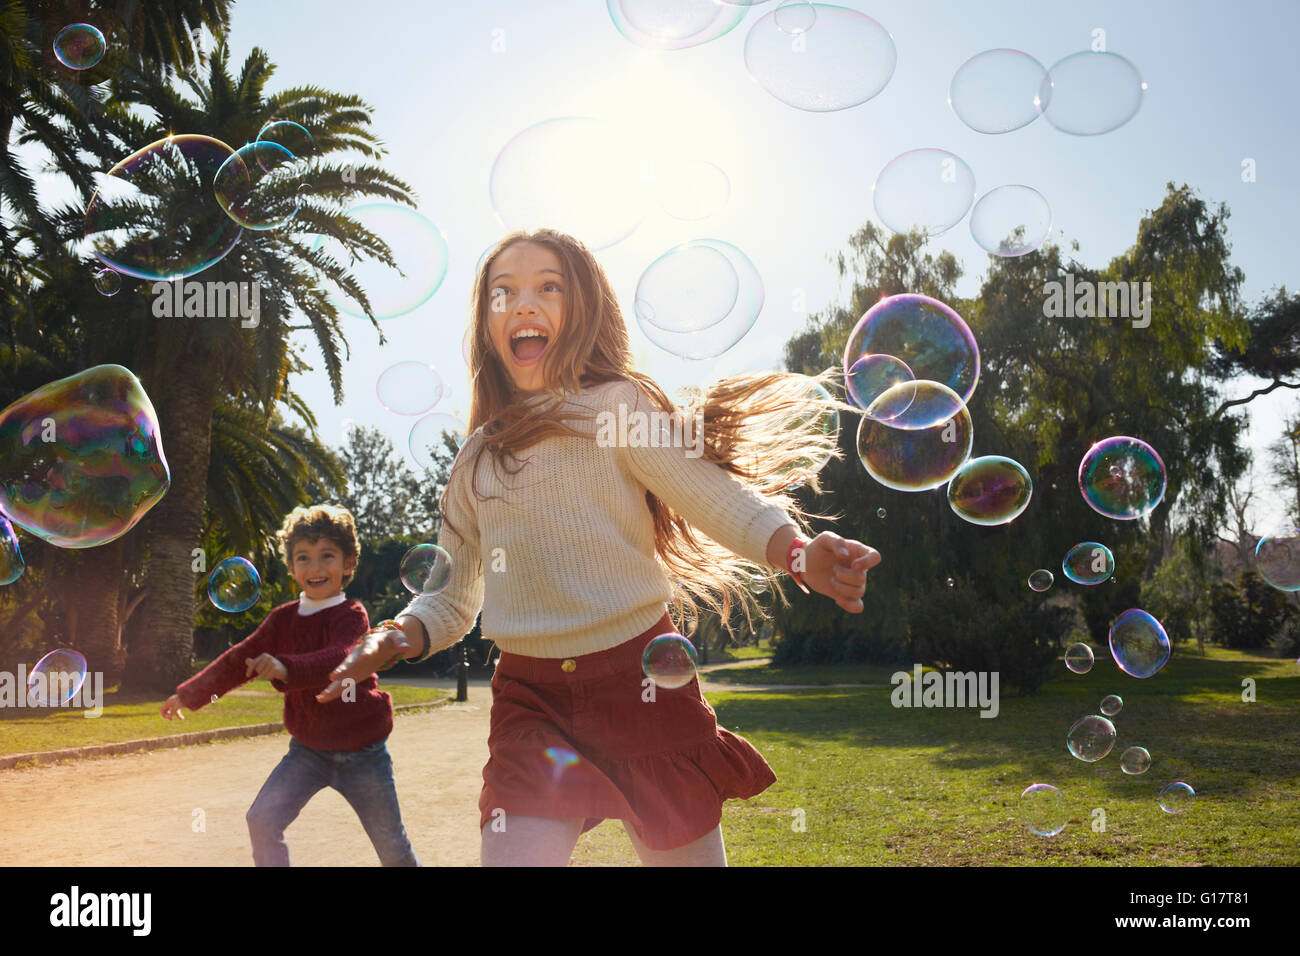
point(155, 215)
point(1090, 738)
point(1122, 478)
point(880, 512)
point(1078, 657)
point(425, 569)
point(1177, 798)
point(909, 458)
point(258, 186)
point(1112, 704)
point(289, 136)
point(991, 490)
point(427, 434)
point(669, 660)
point(1011, 221)
point(1089, 563)
point(713, 341)
point(56, 678)
point(997, 91)
point(12, 564)
point(234, 585)
point(1090, 93)
point(693, 189)
point(1135, 760)
point(417, 247)
point(80, 46)
point(1043, 810)
point(107, 282)
point(1277, 558)
point(1138, 643)
point(1041, 579)
point(926, 189)
point(675, 24)
point(842, 58)
point(410, 388)
point(951, 583)
point(923, 335)
point(81, 459)
point(689, 288)
point(873, 375)
point(576, 174)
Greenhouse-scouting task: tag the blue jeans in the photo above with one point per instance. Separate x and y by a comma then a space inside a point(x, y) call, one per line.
point(364, 777)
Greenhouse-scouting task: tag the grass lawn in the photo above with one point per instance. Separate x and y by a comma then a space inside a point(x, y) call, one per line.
point(880, 785)
point(136, 717)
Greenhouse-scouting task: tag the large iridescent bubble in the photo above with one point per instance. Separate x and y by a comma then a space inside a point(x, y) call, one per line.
point(55, 678)
point(1277, 558)
point(871, 376)
point(820, 57)
point(926, 189)
point(419, 252)
point(155, 214)
point(1122, 478)
point(997, 91)
point(930, 339)
point(12, 564)
point(689, 288)
point(425, 569)
point(234, 585)
point(1090, 93)
point(577, 174)
point(80, 46)
point(923, 447)
point(1139, 644)
point(1011, 220)
point(990, 490)
point(669, 660)
point(673, 24)
point(81, 459)
point(710, 342)
point(1089, 563)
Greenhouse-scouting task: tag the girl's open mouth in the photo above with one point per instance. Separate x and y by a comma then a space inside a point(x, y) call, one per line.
point(527, 349)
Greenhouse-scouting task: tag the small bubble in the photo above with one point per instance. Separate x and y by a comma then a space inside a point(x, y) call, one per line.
point(880, 512)
point(951, 582)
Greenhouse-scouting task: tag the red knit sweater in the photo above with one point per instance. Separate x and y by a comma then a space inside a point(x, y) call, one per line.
point(309, 647)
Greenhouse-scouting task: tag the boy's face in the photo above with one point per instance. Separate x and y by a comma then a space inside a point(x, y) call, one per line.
point(319, 566)
point(527, 291)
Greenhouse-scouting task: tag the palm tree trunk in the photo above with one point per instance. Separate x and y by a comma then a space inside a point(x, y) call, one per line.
point(160, 656)
point(91, 580)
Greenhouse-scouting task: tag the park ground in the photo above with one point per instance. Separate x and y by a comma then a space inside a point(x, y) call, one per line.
point(860, 782)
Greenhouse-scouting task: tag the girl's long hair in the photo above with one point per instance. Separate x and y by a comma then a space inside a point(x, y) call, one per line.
point(768, 429)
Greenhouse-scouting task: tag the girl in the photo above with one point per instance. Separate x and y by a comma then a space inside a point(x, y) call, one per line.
point(574, 551)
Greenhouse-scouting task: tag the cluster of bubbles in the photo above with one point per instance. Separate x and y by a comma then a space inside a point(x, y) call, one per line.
point(81, 458)
point(670, 661)
point(234, 585)
point(56, 677)
point(425, 569)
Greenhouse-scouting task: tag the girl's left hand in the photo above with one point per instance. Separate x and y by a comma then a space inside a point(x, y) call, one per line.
point(837, 567)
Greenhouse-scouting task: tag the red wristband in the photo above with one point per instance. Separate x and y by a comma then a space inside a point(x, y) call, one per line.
point(796, 546)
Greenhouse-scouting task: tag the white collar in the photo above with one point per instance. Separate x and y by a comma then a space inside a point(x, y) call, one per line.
point(308, 605)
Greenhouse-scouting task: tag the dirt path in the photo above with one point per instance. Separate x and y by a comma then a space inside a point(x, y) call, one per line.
point(141, 809)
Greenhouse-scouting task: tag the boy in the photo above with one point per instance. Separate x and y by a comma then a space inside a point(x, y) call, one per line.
point(340, 744)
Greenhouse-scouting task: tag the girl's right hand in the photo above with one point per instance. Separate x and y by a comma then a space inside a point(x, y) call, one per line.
point(371, 653)
point(172, 708)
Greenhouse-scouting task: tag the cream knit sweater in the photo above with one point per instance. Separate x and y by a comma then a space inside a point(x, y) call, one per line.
point(562, 562)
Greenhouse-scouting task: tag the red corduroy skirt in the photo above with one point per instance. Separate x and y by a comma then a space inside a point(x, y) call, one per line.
point(584, 742)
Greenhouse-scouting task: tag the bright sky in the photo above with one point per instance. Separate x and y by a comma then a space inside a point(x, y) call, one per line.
point(451, 83)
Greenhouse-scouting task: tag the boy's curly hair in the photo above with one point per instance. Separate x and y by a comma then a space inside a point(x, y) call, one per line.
point(313, 522)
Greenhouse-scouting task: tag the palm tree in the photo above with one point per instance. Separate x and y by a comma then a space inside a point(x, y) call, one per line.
point(187, 365)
